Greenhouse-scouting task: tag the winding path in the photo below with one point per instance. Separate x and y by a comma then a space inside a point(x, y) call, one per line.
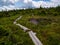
point(29, 31)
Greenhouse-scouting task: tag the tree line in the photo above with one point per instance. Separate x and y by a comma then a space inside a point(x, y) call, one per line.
point(38, 11)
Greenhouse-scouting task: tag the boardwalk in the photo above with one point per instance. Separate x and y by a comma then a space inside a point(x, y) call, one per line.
point(30, 32)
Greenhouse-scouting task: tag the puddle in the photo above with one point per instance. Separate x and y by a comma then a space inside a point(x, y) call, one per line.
point(34, 21)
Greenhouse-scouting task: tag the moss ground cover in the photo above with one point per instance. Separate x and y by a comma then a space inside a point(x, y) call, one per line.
point(48, 28)
point(11, 34)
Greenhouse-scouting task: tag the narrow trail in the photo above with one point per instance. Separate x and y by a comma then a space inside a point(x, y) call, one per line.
point(29, 31)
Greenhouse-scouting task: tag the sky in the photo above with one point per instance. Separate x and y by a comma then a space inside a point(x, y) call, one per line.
point(22, 4)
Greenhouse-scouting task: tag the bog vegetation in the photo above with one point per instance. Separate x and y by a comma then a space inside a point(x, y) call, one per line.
point(47, 28)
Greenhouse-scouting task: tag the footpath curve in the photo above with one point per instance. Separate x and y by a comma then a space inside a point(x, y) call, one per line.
point(32, 35)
